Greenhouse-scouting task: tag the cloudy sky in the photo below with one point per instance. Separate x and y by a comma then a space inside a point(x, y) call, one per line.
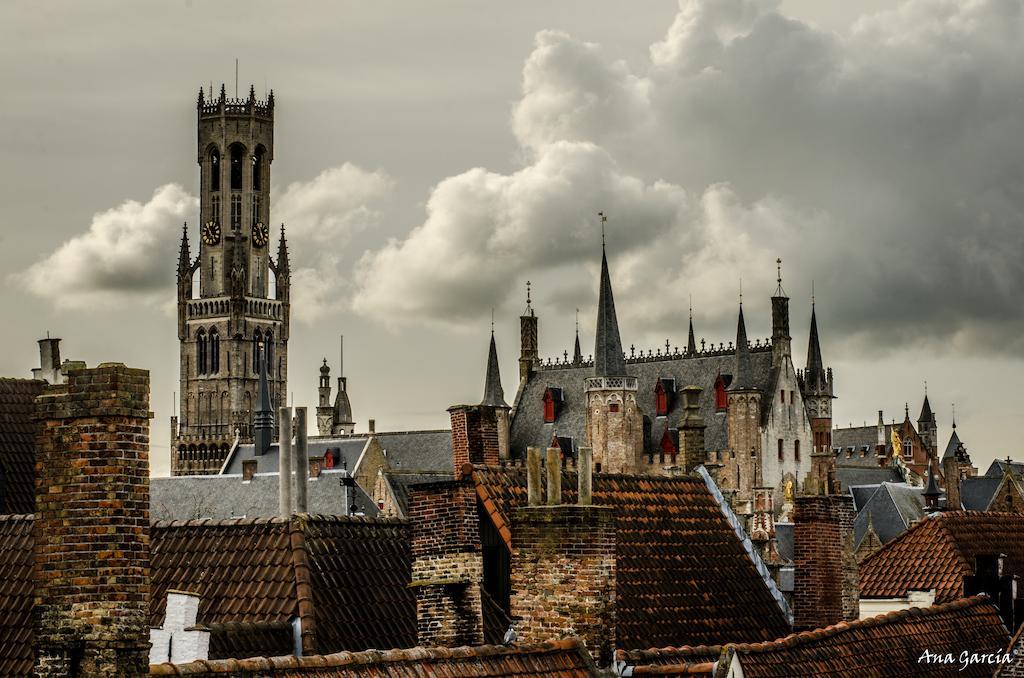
point(432, 157)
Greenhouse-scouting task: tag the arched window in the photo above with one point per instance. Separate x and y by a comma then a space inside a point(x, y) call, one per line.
point(796, 450)
point(780, 449)
point(214, 351)
point(237, 157)
point(257, 346)
point(257, 168)
point(214, 169)
point(268, 346)
point(721, 398)
point(201, 352)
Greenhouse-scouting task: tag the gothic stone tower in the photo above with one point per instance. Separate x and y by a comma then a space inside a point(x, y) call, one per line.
point(242, 305)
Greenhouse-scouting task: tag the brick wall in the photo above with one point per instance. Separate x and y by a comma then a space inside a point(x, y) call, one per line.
point(563, 575)
point(477, 435)
point(447, 566)
point(826, 583)
point(91, 528)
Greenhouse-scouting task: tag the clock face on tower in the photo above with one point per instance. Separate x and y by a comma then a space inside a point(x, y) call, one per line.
point(260, 234)
point(211, 233)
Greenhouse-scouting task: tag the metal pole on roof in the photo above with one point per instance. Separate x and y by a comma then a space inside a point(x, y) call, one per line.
point(300, 461)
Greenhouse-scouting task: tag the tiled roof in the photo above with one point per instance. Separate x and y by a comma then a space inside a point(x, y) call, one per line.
point(682, 575)
point(889, 644)
point(346, 578)
point(17, 444)
point(939, 551)
point(890, 509)
point(852, 476)
point(557, 659)
point(16, 591)
point(976, 492)
point(528, 428)
point(220, 497)
point(423, 451)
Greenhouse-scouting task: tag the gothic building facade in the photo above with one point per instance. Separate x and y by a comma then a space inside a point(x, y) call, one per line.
point(743, 410)
point(233, 298)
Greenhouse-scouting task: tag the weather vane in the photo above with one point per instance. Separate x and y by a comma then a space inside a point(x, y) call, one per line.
point(604, 220)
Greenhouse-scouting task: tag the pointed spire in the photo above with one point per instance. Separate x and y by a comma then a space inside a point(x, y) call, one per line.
point(926, 409)
point(691, 344)
point(608, 358)
point(814, 372)
point(263, 417)
point(741, 378)
point(184, 255)
point(283, 265)
point(931, 493)
point(906, 411)
point(577, 354)
point(494, 395)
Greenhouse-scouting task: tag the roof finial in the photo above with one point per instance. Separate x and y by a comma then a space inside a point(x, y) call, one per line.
point(691, 307)
point(604, 220)
point(925, 388)
point(577, 321)
point(954, 416)
point(812, 292)
point(527, 294)
point(492, 321)
point(906, 410)
point(741, 290)
point(778, 278)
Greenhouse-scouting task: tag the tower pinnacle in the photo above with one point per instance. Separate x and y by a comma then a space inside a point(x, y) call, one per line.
point(494, 395)
point(608, 357)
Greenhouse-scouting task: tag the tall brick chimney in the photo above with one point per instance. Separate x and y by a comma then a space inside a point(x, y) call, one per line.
point(447, 569)
point(479, 435)
point(691, 430)
point(91, 529)
point(563, 566)
point(826, 578)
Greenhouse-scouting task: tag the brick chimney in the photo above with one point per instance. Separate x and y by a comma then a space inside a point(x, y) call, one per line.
point(691, 430)
point(479, 435)
point(826, 579)
point(563, 564)
point(447, 566)
point(91, 527)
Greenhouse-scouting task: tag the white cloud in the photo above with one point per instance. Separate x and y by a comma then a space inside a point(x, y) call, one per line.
point(885, 163)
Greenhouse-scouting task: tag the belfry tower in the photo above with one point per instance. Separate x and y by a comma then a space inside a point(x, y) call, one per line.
point(239, 314)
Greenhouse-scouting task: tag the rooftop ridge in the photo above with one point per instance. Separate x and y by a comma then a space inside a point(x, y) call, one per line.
point(656, 355)
point(356, 659)
point(277, 520)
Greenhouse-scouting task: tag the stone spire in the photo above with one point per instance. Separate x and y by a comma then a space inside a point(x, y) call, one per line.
point(494, 395)
point(283, 265)
point(691, 343)
point(184, 255)
point(741, 378)
point(577, 354)
point(263, 417)
point(926, 411)
point(608, 358)
point(780, 321)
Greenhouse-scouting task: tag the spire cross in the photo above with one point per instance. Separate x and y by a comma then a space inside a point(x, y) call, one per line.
point(492, 321)
point(527, 293)
point(925, 388)
point(691, 307)
point(666, 347)
point(577, 321)
point(778, 267)
point(812, 292)
point(741, 290)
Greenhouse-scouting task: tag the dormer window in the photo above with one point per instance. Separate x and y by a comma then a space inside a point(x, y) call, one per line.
point(721, 398)
point(663, 390)
point(669, 446)
point(552, 403)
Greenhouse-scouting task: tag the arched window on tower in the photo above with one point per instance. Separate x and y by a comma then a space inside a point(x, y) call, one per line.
point(237, 159)
point(214, 351)
point(257, 347)
point(268, 346)
point(257, 168)
point(214, 169)
point(201, 351)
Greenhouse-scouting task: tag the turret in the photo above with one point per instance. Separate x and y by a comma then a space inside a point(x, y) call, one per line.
point(691, 343)
point(343, 422)
point(324, 411)
point(529, 357)
point(614, 420)
point(577, 354)
point(927, 426)
point(494, 411)
point(816, 387)
point(781, 340)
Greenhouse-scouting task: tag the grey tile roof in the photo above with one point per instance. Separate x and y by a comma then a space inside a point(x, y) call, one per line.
point(995, 470)
point(784, 541)
point(892, 508)
point(851, 476)
point(350, 447)
point(528, 427)
point(976, 493)
point(220, 497)
point(861, 494)
point(952, 445)
point(425, 451)
point(858, 436)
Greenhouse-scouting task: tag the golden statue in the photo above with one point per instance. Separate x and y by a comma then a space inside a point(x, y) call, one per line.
point(788, 490)
point(897, 446)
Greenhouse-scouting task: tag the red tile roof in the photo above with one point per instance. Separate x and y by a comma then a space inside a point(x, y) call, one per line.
point(889, 644)
point(17, 444)
point(16, 590)
point(938, 552)
point(556, 659)
point(345, 577)
point(682, 575)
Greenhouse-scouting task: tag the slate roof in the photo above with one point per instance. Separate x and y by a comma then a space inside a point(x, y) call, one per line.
point(850, 477)
point(220, 497)
point(858, 437)
point(953, 444)
point(976, 492)
point(682, 575)
point(17, 444)
point(350, 447)
point(528, 428)
point(939, 551)
point(422, 451)
point(889, 644)
point(345, 577)
point(557, 658)
point(784, 541)
point(16, 591)
point(891, 508)
point(997, 468)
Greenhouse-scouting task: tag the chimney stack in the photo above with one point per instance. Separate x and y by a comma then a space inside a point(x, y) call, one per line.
point(49, 361)
point(584, 477)
point(554, 469)
point(691, 430)
point(533, 489)
point(284, 461)
point(373, 426)
point(91, 528)
point(299, 456)
point(826, 585)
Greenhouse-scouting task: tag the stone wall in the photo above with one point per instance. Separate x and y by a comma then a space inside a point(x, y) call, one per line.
point(91, 526)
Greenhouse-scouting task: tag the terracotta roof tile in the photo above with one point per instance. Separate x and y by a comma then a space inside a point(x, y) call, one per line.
point(889, 644)
point(17, 444)
point(16, 591)
point(682, 575)
point(938, 552)
point(559, 659)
